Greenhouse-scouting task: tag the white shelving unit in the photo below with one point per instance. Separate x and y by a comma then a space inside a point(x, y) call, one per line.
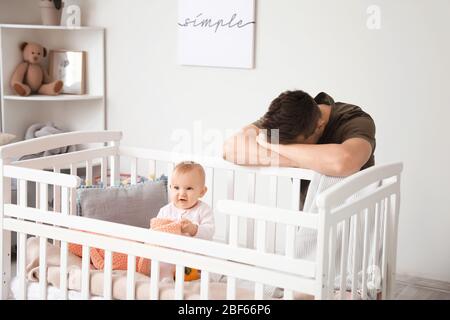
point(68, 112)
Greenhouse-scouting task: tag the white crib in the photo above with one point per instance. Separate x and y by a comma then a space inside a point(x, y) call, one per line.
point(254, 259)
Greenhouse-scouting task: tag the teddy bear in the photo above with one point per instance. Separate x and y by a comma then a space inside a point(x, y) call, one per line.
point(30, 77)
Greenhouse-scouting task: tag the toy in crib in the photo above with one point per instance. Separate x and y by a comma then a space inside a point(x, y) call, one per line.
point(120, 260)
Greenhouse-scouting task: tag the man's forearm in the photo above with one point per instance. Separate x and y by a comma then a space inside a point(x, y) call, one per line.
point(242, 149)
point(329, 159)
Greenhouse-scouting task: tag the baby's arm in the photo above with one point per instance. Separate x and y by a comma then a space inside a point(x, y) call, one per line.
point(206, 225)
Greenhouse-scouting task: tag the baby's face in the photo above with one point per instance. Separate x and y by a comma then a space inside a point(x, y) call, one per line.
point(186, 188)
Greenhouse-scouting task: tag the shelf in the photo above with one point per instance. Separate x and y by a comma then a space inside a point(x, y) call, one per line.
point(45, 27)
point(61, 97)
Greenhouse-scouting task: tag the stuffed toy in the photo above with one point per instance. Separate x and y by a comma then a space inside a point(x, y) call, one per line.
point(30, 77)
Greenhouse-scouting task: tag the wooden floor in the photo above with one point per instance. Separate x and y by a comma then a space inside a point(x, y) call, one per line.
point(413, 288)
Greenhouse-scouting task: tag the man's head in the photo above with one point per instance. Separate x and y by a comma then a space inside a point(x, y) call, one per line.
point(297, 117)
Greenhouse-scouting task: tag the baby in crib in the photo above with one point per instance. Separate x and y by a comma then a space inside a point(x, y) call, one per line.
point(187, 186)
point(186, 211)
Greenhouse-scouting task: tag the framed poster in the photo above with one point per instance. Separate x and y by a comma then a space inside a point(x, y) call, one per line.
point(69, 66)
point(219, 33)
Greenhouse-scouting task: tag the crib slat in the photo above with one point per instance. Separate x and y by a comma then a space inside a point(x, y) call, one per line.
point(375, 245)
point(154, 280)
point(43, 245)
point(344, 252)
point(204, 285)
point(88, 172)
point(332, 268)
point(290, 241)
point(43, 267)
point(261, 235)
point(251, 222)
point(21, 263)
point(115, 166)
point(73, 169)
point(104, 171)
point(290, 253)
point(356, 256)
point(385, 247)
point(230, 196)
point(295, 199)
point(368, 213)
point(63, 270)
point(271, 226)
point(85, 274)
point(233, 231)
point(259, 291)
point(179, 282)
point(37, 195)
point(231, 288)
point(56, 194)
point(22, 200)
point(133, 170)
point(64, 245)
point(261, 247)
point(56, 201)
point(22, 244)
point(73, 203)
point(107, 276)
point(44, 196)
point(131, 270)
point(290, 231)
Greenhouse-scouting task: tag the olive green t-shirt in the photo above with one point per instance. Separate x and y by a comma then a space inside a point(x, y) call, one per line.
point(346, 121)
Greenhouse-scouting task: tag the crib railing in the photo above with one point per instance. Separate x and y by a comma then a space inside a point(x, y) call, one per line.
point(371, 196)
point(230, 260)
point(336, 222)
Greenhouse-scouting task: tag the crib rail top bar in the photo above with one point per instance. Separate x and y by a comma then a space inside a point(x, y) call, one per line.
point(255, 211)
point(356, 182)
point(305, 268)
point(214, 162)
point(66, 158)
point(57, 141)
point(60, 179)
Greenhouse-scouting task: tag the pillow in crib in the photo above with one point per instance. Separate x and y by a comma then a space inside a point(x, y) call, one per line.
point(6, 138)
point(133, 205)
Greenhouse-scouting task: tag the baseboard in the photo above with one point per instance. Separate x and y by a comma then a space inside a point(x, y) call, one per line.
point(423, 282)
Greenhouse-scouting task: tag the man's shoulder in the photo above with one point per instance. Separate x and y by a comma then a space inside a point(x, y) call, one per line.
point(348, 108)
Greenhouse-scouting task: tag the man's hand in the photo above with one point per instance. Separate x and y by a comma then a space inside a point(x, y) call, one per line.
point(188, 227)
point(262, 141)
point(243, 149)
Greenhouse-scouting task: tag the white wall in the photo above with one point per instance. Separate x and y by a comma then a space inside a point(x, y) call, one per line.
point(399, 74)
point(19, 11)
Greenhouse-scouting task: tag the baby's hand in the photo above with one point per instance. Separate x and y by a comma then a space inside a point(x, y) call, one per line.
point(188, 227)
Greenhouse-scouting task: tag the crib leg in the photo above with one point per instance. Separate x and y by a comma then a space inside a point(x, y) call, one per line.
point(5, 266)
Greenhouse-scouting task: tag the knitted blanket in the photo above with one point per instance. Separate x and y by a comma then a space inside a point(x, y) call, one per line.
point(120, 260)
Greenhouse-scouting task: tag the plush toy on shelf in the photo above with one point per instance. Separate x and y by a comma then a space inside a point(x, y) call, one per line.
point(30, 76)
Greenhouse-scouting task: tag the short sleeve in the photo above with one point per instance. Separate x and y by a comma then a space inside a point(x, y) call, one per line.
point(360, 127)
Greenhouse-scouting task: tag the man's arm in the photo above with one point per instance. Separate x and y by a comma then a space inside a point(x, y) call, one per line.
point(242, 149)
point(330, 159)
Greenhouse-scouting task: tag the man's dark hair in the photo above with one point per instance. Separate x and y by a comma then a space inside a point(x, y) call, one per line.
point(294, 113)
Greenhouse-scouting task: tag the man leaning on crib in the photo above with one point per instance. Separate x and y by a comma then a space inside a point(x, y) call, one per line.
point(333, 138)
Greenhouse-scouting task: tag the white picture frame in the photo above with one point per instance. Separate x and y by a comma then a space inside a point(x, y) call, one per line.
point(69, 67)
point(217, 33)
